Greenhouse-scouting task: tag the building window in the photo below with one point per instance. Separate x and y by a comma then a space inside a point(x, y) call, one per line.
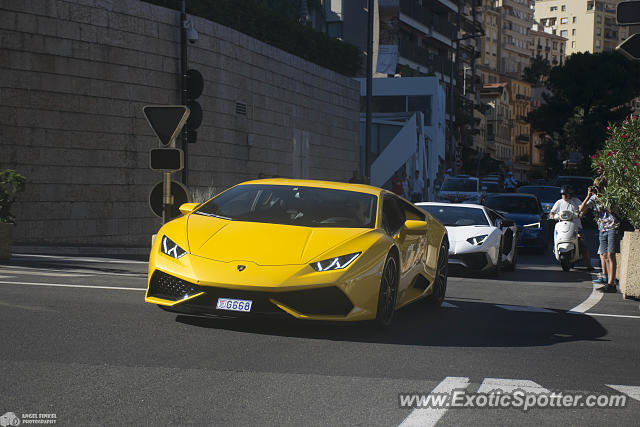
point(573, 44)
point(564, 33)
point(598, 32)
point(574, 19)
point(564, 7)
point(573, 32)
point(555, 45)
point(564, 20)
point(599, 19)
point(554, 8)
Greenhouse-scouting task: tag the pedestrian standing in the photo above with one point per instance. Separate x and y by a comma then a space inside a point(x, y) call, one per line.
point(417, 188)
point(405, 186)
point(510, 184)
point(396, 184)
point(607, 233)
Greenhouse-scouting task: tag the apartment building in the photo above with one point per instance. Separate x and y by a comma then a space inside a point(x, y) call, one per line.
point(520, 107)
point(499, 112)
point(548, 45)
point(489, 16)
point(517, 19)
point(589, 25)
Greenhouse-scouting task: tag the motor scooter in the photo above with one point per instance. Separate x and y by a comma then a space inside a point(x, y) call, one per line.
point(566, 246)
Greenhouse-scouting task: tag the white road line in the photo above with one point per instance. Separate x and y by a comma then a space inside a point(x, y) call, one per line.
point(449, 305)
point(631, 391)
point(510, 385)
point(430, 416)
point(524, 308)
point(593, 299)
point(613, 315)
point(60, 285)
point(86, 259)
point(42, 273)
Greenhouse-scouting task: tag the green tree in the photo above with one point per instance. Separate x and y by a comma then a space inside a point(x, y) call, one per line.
point(537, 72)
point(588, 91)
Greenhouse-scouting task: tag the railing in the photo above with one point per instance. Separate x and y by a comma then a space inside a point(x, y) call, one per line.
point(425, 16)
point(524, 138)
point(422, 56)
point(523, 97)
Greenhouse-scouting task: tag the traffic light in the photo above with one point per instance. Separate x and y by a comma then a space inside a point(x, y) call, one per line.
point(194, 87)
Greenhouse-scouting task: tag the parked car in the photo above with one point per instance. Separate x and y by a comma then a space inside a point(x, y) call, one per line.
point(457, 190)
point(527, 213)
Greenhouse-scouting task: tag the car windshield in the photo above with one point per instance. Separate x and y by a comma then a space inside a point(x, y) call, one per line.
point(491, 187)
point(457, 216)
point(294, 205)
point(544, 194)
point(513, 204)
point(460, 184)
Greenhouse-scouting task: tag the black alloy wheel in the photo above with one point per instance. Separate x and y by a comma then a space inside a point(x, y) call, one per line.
point(388, 291)
point(440, 283)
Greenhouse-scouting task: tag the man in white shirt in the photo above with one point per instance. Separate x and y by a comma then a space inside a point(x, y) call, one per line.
point(570, 203)
point(417, 188)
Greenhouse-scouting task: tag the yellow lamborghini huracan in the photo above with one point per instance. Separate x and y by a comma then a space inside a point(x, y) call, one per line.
point(308, 249)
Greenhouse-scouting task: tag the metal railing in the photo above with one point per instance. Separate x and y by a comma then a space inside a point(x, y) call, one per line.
point(426, 16)
point(422, 56)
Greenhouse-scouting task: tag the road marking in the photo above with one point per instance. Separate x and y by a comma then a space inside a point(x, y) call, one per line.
point(449, 305)
point(41, 273)
point(524, 308)
point(510, 385)
point(593, 299)
point(631, 391)
point(613, 315)
point(86, 259)
point(61, 285)
point(5, 277)
point(430, 416)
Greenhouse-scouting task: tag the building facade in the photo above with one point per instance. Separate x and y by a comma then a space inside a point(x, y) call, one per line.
point(517, 19)
point(499, 113)
point(589, 25)
point(548, 45)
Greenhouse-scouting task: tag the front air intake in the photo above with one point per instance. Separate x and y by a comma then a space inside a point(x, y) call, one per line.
point(171, 288)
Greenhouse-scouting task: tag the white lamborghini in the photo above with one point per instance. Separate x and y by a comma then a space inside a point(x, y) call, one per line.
point(480, 238)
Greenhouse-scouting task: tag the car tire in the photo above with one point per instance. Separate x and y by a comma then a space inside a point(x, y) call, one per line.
point(442, 271)
point(388, 293)
point(512, 265)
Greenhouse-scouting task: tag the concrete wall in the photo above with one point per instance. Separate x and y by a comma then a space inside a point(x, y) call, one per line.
point(74, 76)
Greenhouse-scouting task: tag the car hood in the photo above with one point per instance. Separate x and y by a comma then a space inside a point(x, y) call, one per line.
point(458, 234)
point(523, 218)
point(263, 244)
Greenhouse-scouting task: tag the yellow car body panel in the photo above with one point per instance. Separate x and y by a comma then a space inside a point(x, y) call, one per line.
point(272, 262)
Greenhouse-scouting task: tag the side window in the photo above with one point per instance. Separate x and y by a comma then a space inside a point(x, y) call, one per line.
point(392, 215)
point(493, 217)
point(410, 212)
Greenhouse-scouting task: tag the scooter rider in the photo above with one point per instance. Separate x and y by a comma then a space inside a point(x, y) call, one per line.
point(570, 203)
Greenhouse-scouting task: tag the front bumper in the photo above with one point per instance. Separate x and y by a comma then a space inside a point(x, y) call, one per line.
point(192, 285)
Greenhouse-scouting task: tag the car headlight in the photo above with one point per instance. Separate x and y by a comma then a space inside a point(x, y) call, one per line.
point(336, 263)
point(477, 240)
point(169, 247)
point(534, 225)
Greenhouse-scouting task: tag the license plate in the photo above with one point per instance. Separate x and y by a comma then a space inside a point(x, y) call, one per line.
point(234, 304)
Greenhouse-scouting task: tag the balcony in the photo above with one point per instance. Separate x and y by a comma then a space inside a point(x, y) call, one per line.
point(422, 56)
point(522, 119)
point(523, 138)
point(426, 17)
point(521, 97)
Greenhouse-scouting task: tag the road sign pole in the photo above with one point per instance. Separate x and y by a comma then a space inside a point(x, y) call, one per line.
point(166, 198)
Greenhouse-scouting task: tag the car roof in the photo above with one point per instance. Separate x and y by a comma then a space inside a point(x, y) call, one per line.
point(495, 195)
point(334, 185)
point(453, 205)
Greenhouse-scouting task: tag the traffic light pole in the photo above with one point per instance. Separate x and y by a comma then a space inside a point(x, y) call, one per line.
point(183, 86)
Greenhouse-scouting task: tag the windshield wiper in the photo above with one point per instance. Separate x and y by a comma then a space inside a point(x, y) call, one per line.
point(212, 215)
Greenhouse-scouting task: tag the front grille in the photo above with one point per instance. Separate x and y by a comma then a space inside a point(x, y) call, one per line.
point(476, 261)
point(167, 287)
point(322, 301)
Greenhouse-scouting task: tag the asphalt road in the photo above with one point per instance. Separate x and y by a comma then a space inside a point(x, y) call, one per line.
point(79, 342)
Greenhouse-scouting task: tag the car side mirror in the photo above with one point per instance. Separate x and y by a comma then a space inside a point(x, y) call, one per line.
point(507, 223)
point(412, 226)
point(187, 208)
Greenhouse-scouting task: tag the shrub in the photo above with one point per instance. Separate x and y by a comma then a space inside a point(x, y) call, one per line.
point(11, 183)
point(619, 162)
